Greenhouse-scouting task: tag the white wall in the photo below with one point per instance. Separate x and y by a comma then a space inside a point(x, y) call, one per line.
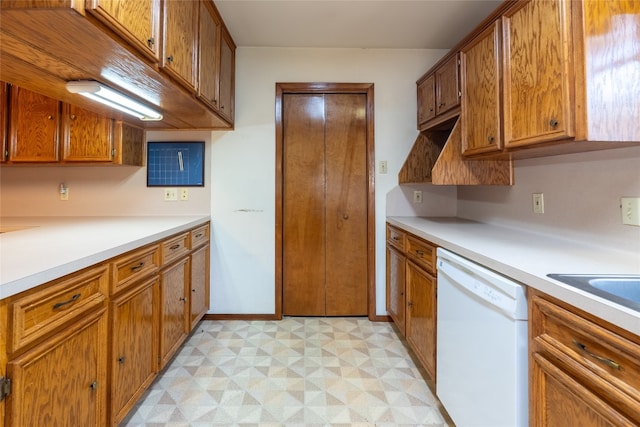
point(581, 197)
point(98, 190)
point(243, 161)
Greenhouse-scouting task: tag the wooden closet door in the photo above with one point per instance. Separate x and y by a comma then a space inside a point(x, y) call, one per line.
point(303, 205)
point(346, 204)
point(324, 205)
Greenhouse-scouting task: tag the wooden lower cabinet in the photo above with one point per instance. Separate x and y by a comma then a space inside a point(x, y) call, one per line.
point(134, 359)
point(412, 291)
point(174, 321)
point(421, 316)
point(80, 350)
point(199, 295)
point(63, 380)
point(583, 371)
point(396, 303)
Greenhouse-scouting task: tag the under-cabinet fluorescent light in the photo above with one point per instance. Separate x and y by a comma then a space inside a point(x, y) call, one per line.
point(104, 95)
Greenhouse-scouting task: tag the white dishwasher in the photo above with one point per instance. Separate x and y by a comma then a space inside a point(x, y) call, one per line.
point(481, 374)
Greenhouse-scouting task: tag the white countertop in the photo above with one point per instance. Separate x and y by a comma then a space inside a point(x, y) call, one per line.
point(55, 246)
point(528, 257)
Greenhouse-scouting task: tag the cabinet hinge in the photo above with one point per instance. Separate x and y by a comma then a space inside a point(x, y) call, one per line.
point(5, 387)
point(113, 152)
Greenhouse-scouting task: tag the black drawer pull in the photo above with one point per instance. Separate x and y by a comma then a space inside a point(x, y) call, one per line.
point(137, 267)
point(419, 253)
point(174, 247)
point(199, 235)
point(63, 303)
point(121, 359)
point(604, 360)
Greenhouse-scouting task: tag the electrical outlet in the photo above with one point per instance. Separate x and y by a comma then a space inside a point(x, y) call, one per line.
point(184, 194)
point(417, 196)
point(64, 192)
point(630, 210)
point(538, 203)
point(170, 194)
point(382, 168)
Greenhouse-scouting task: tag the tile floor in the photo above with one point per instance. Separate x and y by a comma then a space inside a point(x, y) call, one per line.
point(293, 372)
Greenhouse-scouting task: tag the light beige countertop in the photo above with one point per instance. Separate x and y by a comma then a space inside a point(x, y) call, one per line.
point(35, 250)
point(528, 257)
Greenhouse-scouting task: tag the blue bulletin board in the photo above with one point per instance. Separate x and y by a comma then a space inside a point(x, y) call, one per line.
point(175, 164)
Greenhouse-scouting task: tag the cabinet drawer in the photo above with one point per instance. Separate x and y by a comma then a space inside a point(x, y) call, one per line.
point(396, 237)
point(199, 236)
point(41, 312)
point(583, 348)
point(174, 248)
point(134, 266)
point(422, 253)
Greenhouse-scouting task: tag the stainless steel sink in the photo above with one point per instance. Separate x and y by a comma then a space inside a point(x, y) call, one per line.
point(623, 289)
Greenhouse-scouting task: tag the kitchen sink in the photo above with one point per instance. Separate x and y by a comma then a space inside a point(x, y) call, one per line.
point(623, 289)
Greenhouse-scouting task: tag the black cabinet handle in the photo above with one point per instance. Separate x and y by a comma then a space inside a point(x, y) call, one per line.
point(63, 303)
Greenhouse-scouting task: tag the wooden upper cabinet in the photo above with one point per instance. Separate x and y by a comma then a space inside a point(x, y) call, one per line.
point(33, 127)
point(208, 56)
point(439, 94)
point(88, 137)
point(426, 100)
point(4, 109)
point(447, 86)
point(538, 71)
point(138, 22)
point(480, 81)
point(179, 53)
point(227, 76)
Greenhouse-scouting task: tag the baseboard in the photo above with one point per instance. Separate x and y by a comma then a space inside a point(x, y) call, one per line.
point(241, 317)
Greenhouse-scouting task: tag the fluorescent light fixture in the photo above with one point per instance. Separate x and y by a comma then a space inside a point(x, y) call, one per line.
point(104, 95)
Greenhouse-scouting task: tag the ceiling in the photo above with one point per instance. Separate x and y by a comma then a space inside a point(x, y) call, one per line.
point(382, 24)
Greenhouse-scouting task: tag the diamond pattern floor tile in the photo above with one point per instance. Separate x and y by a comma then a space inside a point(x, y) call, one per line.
point(294, 372)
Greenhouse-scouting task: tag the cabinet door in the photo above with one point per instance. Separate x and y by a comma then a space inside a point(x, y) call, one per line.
point(180, 41)
point(537, 73)
point(138, 22)
point(560, 400)
point(421, 316)
point(396, 264)
point(227, 76)
point(426, 100)
point(33, 127)
point(128, 144)
point(199, 285)
point(62, 381)
point(174, 322)
point(208, 56)
point(4, 109)
point(480, 65)
point(88, 137)
point(447, 86)
point(133, 346)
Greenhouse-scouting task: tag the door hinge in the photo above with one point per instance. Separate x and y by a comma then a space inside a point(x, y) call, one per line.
point(5, 387)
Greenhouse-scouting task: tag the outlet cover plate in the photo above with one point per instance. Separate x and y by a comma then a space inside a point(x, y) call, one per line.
point(630, 210)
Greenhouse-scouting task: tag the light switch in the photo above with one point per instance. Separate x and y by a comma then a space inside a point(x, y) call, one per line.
point(382, 168)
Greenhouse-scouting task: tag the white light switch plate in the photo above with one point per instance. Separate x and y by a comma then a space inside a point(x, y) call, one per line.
point(630, 210)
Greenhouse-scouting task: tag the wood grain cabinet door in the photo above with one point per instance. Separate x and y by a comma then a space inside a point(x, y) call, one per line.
point(421, 316)
point(209, 56)
point(88, 136)
point(62, 381)
point(138, 22)
point(174, 322)
point(227, 76)
point(180, 41)
point(133, 346)
point(426, 99)
point(537, 73)
point(396, 303)
point(447, 86)
point(199, 295)
point(34, 125)
point(481, 71)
